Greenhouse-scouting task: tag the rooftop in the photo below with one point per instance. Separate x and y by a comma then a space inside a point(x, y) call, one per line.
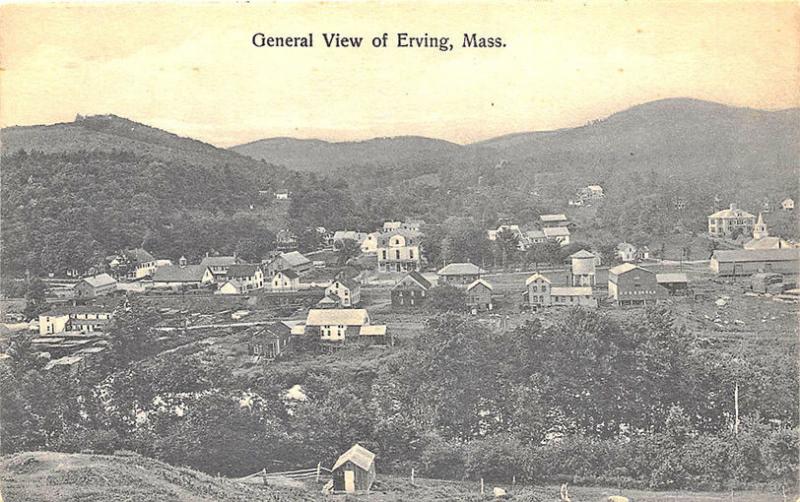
point(743, 255)
point(176, 273)
point(671, 278)
point(358, 455)
point(294, 258)
point(535, 277)
point(570, 291)
point(553, 217)
point(556, 232)
point(478, 282)
point(344, 317)
point(98, 281)
point(582, 254)
point(621, 269)
point(461, 269)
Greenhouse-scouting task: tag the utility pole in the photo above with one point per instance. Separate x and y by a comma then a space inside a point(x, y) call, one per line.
point(736, 408)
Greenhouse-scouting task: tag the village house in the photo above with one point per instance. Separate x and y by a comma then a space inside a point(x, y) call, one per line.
point(787, 204)
point(398, 251)
point(182, 276)
point(535, 237)
point(371, 242)
point(286, 280)
point(479, 295)
point(459, 274)
point(761, 238)
point(626, 252)
point(232, 287)
point(282, 194)
point(354, 471)
point(553, 220)
point(348, 292)
point(729, 221)
point(218, 265)
point(675, 284)
point(410, 291)
point(133, 264)
point(292, 260)
point(84, 319)
point(584, 268)
point(249, 274)
point(629, 284)
point(94, 286)
point(269, 341)
point(540, 293)
point(335, 325)
point(409, 224)
point(591, 192)
point(739, 262)
point(558, 234)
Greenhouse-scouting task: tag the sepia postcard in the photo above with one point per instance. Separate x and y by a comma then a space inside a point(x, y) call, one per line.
point(389, 251)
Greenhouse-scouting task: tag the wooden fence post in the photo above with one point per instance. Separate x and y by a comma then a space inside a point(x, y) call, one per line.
point(412, 475)
point(319, 466)
point(513, 481)
point(482, 493)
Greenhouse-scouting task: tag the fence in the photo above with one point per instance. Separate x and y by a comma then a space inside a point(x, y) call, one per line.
point(263, 477)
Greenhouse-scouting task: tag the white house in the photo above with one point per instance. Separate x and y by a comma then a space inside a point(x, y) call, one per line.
point(286, 280)
point(626, 251)
point(347, 291)
point(558, 234)
point(787, 204)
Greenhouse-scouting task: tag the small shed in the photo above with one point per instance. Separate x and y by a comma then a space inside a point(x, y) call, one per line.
point(354, 470)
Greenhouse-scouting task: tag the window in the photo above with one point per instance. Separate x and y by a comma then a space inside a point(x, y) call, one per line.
point(534, 288)
point(411, 253)
point(383, 254)
point(397, 254)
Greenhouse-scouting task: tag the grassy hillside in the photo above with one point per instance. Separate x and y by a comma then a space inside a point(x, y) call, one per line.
point(50, 476)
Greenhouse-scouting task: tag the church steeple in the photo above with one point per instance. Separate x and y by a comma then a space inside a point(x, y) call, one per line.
point(760, 228)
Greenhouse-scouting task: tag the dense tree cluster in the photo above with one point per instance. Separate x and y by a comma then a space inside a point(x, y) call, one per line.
point(67, 211)
point(586, 398)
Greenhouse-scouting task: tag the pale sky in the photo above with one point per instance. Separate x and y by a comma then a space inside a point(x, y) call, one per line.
point(192, 70)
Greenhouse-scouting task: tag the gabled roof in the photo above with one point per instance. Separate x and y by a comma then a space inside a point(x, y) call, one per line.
point(370, 330)
point(359, 455)
point(556, 232)
point(743, 255)
point(625, 245)
point(345, 317)
point(582, 254)
point(242, 270)
point(765, 243)
point(219, 261)
point(672, 277)
point(535, 277)
point(732, 213)
point(176, 273)
point(288, 273)
point(474, 284)
point(98, 281)
point(553, 217)
point(621, 269)
point(236, 283)
point(535, 234)
point(415, 277)
point(138, 255)
point(294, 258)
point(460, 269)
point(385, 237)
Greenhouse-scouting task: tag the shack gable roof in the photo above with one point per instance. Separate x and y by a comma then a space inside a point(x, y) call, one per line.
point(556, 232)
point(553, 217)
point(219, 261)
point(288, 273)
point(359, 455)
point(138, 255)
point(344, 317)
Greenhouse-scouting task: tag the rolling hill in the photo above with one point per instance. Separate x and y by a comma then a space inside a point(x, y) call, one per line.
point(51, 476)
point(106, 133)
point(323, 156)
point(681, 135)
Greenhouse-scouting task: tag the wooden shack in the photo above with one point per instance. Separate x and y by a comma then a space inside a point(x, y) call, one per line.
point(354, 471)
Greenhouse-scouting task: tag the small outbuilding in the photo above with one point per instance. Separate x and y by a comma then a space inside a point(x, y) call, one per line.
point(354, 471)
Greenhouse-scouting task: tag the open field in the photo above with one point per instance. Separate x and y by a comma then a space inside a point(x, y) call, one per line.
point(50, 476)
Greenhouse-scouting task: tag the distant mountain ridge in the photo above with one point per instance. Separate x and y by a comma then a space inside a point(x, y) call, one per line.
point(321, 156)
point(691, 132)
